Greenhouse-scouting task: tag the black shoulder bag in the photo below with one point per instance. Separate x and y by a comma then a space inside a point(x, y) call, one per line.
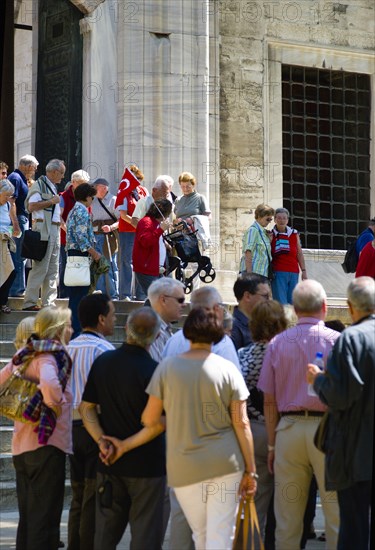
point(33, 247)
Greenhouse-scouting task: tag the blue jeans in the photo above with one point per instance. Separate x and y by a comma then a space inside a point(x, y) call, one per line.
point(126, 242)
point(110, 278)
point(62, 292)
point(283, 286)
point(144, 281)
point(19, 284)
point(75, 295)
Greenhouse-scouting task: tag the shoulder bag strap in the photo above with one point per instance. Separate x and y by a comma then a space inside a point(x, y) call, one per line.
point(268, 254)
point(106, 209)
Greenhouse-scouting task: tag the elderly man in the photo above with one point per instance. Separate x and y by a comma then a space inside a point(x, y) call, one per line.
point(67, 201)
point(160, 190)
point(292, 417)
point(209, 298)
point(348, 388)
point(44, 204)
point(105, 223)
point(167, 298)
point(249, 289)
point(132, 489)
point(20, 178)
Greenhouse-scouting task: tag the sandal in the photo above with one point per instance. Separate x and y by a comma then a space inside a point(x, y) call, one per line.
point(5, 309)
point(32, 308)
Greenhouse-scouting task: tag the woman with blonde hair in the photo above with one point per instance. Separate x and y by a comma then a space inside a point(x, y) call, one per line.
point(40, 443)
point(256, 244)
point(190, 203)
point(24, 330)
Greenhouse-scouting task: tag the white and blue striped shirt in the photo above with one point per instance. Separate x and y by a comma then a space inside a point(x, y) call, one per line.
point(84, 350)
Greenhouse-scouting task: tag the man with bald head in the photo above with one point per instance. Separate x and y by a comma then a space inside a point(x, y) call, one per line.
point(292, 417)
point(132, 489)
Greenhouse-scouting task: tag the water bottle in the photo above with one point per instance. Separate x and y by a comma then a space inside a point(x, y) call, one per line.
point(318, 361)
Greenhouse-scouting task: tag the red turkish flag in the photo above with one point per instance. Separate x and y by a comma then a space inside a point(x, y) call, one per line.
point(127, 184)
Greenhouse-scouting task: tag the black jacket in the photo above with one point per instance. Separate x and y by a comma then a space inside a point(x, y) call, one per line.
point(348, 389)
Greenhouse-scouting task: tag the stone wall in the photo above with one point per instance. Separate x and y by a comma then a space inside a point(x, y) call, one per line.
point(255, 38)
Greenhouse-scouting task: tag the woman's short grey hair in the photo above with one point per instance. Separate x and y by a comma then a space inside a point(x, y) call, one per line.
point(27, 160)
point(206, 297)
point(80, 175)
point(6, 186)
point(55, 164)
point(167, 180)
point(162, 286)
point(361, 294)
point(282, 211)
point(142, 327)
point(309, 297)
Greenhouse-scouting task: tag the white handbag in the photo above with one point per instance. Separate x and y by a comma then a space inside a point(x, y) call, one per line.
point(77, 271)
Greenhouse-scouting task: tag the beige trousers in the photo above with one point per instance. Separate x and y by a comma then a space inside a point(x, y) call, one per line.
point(296, 458)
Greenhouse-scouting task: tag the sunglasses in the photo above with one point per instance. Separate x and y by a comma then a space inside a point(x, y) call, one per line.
point(179, 300)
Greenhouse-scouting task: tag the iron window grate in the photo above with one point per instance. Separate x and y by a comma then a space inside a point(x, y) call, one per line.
point(326, 154)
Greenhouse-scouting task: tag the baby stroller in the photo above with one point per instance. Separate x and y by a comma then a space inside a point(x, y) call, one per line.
point(185, 242)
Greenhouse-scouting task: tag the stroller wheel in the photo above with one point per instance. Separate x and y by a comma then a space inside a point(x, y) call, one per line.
point(189, 287)
point(209, 276)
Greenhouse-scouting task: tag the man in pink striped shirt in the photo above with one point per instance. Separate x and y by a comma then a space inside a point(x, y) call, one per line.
point(292, 417)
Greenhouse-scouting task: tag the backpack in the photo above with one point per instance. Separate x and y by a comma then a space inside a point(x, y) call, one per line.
point(351, 258)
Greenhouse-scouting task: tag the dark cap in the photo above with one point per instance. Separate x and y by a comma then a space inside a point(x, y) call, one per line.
point(100, 181)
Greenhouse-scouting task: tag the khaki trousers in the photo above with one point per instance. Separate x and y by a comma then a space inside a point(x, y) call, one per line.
point(44, 274)
point(296, 458)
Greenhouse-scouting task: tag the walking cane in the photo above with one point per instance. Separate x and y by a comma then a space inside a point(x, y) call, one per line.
point(107, 284)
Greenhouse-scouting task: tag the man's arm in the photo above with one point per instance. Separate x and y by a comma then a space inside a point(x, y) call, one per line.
point(91, 422)
point(154, 425)
point(271, 415)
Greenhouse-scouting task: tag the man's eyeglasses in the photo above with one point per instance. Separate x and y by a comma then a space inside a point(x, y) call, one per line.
point(265, 296)
point(179, 300)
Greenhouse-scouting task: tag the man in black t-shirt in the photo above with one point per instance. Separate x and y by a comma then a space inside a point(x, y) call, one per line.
point(131, 489)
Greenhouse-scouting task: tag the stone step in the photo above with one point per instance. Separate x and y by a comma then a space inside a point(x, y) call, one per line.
point(6, 434)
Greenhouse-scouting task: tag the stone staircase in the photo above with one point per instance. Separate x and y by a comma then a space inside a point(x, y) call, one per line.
point(8, 323)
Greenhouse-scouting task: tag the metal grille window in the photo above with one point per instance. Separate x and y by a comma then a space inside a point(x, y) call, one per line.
point(326, 154)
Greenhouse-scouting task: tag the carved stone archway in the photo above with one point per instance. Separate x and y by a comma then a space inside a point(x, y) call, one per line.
point(87, 6)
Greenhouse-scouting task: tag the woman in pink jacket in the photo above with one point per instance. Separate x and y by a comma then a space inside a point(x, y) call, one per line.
point(39, 448)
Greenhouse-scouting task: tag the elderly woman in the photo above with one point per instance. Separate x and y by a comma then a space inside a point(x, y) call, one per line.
point(39, 447)
point(287, 258)
point(7, 218)
point(256, 245)
point(126, 202)
point(267, 320)
point(80, 241)
point(149, 252)
point(210, 456)
point(190, 203)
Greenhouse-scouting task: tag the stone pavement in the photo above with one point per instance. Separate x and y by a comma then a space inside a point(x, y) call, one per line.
point(8, 528)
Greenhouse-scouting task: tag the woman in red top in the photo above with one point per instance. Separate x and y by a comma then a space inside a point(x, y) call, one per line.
point(149, 252)
point(366, 262)
point(287, 258)
point(126, 203)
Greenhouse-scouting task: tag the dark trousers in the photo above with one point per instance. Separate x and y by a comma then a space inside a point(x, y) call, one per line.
point(4, 289)
point(83, 465)
point(40, 481)
point(62, 263)
point(355, 510)
point(136, 500)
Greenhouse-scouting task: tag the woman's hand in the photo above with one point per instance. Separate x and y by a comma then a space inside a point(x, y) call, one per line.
point(248, 486)
point(106, 228)
point(95, 255)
